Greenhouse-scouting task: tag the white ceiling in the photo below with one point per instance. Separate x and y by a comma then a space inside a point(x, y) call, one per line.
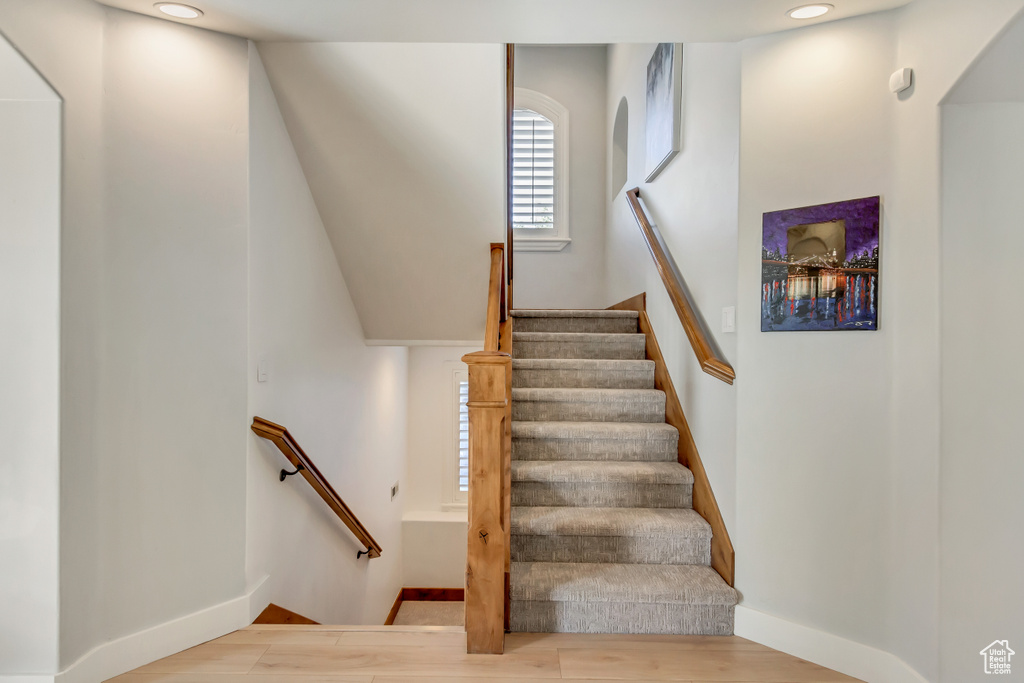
point(504, 21)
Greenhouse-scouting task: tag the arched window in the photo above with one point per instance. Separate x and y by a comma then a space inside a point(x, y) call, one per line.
point(533, 170)
point(539, 172)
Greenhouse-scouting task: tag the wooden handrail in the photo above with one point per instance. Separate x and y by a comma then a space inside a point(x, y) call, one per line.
point(495, 288)
point(298, 458)
point(703, 342)
point(723, 558)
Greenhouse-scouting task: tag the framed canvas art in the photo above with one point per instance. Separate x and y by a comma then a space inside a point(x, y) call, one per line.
point(664, 103)
point(819, 267)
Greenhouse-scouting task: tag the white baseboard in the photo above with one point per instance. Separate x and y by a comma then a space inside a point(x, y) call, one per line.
point(824, 649)
point(259, 598)
point(130, 652)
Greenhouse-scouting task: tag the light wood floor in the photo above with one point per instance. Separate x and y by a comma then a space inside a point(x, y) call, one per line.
point(436, 654)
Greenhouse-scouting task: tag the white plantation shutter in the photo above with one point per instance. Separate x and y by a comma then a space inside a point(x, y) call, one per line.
point(533, 170)
point(463, 473)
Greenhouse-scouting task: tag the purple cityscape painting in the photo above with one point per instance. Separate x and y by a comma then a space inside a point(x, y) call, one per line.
point(819, 267)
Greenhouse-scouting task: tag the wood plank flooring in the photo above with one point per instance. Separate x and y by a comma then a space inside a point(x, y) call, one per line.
point(338, 654)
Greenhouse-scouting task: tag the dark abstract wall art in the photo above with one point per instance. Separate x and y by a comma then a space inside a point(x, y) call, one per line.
point(819, 267)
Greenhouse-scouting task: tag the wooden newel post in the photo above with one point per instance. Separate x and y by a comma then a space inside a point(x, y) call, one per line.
point(485, 558)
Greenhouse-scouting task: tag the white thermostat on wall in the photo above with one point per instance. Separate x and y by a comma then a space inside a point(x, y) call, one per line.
point(901, 79)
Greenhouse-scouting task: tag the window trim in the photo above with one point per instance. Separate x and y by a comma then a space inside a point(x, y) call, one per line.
point(453, 499)
point(544, 239)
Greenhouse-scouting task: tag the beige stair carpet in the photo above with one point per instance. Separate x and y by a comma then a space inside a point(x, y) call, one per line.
point(604, 538)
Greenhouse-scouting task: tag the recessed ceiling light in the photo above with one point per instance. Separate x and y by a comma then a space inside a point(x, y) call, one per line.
point(178, 10)
point(809, 11)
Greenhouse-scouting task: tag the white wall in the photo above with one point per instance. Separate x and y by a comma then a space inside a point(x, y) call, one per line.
point(402, 146)
point(940, 39)
point(694, 202)
point(843, 534)
point(29, 375)
point(813, 412)
point(153, 318)
point(575, 77)
point(344, 402)
point(982, 368)
point(434, 531)
point(982, 384)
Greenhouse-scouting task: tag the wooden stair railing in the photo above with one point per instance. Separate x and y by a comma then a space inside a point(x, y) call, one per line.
point(708, 354)
point(304, 466)
point(490, 472)
point(723, 557)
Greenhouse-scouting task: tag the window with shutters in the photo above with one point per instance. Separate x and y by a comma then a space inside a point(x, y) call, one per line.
point(539, 172)
point(456, 476)
point(462, 485)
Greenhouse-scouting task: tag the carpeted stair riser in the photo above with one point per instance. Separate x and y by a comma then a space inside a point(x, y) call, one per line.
point(616, 535)
point(581, 346)
point(585, 494)
point(601, 484)
point(587, 374)
point(618, 549)
point(616, 325)
point(561, 582)
point(612, 617)
point(615, 549)
point(588, 405)
point(619, 598)
point(596, 450)
point(594, 441)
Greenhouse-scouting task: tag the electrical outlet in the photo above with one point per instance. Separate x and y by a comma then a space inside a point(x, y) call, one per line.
point(394, 490)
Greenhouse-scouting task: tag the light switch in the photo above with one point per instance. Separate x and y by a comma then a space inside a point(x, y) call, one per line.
point(262, 370)
point(729, 319)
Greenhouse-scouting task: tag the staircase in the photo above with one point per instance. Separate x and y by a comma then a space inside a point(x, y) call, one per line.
point(604, 538)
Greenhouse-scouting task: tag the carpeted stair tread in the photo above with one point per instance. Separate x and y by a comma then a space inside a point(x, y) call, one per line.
point(604, 484)
point(569, 471)
point(594, 441)
point(587, 582)
point(577, 395)
point(573, 313)
point(577, 337)
point(569, 521)
point(616, 535)
point(574, 431)
point(588, 405)
point(589, 345)
point(582, 373)
point(594, 321)
point(578, 364)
